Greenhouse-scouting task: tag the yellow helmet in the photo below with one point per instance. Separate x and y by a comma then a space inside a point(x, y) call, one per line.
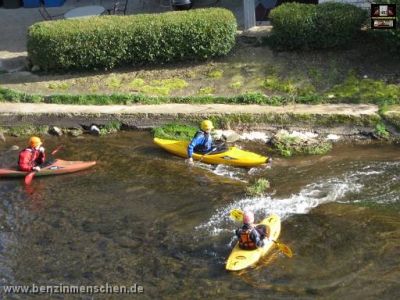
point(35, 141)
point(206, 125)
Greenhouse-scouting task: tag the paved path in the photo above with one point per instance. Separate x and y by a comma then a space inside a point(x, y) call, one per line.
point(168, 109)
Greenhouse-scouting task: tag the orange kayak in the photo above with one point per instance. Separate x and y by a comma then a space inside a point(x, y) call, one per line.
point(58, 167)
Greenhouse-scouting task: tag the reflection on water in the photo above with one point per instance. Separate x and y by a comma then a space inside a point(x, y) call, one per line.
point(142, 215)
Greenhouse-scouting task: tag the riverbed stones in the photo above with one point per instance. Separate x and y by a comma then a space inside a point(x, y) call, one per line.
point(75, 132)
point(94, 130)
point(290, 143)
point(54, 130)
point(14, 148)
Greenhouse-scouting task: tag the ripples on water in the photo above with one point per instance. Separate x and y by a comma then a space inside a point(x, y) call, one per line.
point(143, 216)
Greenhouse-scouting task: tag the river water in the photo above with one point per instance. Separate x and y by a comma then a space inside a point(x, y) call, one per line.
point(142, 216)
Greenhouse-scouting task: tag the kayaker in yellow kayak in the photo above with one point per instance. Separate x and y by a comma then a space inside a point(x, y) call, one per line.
point(202, 142)
point(249, 236)
point(33, 156)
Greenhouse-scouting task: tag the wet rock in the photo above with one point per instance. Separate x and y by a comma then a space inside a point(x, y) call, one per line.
point(288, 144)
point(14, 148)
point(94, 130)
point(333, 137)
point(75, 132)
point(55, 131)
point(2, 137)
point(231, 137)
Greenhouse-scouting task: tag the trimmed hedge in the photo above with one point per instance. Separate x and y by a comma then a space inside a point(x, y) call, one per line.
point(307, 26)
point(109, 41)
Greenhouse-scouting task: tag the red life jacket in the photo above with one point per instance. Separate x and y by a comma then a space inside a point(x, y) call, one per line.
point(29, 158)
point(245, 241)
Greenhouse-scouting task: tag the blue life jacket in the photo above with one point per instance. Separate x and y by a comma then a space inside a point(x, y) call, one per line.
point(201, 143)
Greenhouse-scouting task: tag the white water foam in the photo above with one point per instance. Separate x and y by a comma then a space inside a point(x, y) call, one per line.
point(311, 196)
point(225, 171)
point(255, 136)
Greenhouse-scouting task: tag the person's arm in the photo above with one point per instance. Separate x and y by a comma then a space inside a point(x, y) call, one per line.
point(197, 140)
point(42, 156)
point(237, 232)
point(255, 237)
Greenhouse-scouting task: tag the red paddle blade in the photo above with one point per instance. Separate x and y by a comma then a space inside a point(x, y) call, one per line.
point(29, 178)
point(56, 150)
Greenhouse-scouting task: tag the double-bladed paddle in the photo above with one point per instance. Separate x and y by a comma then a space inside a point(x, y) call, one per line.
point(237, 215)
point(28, 178)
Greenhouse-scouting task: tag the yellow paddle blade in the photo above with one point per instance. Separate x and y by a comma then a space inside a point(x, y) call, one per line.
point(284, 249)
point(236, 214)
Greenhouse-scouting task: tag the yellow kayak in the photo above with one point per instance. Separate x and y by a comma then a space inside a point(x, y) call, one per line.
point(233, 156)
point(240, 259)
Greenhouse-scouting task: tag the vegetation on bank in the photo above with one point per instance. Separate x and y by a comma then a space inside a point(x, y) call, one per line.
point(25, 130)
point(258, 188)
point(308, 26)
point(287, 144)
point(175, 131)
point(110, 41)
point(273, 90)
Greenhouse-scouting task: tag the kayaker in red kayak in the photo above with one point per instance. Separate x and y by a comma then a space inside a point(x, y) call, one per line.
point(249, 236)
point(33, 156)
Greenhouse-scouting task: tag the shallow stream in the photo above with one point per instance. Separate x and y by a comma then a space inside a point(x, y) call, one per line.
point(143, 216)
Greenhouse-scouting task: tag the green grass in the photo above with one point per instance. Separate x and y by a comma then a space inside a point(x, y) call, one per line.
point(137, 83)
point(236, 85)
point(278, 91)
point(215, 74)
point(380, 130)
point(58, 86)
point(287, 145)
point(161, 87)
point(175, 131)
point(208, 90)
point(359, 90)
point(258, 188)
point(25, 130)
point(114, 82)
point(110, 127)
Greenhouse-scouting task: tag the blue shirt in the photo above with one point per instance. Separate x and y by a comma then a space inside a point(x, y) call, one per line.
point(202, 143)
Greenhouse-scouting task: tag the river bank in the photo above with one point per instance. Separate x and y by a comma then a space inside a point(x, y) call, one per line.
point(351, 121)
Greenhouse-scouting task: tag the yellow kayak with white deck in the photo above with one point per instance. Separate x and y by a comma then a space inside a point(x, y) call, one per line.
point(240, 259)
point(233, 156)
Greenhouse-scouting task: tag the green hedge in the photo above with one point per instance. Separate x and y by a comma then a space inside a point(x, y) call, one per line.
point(307, 26)
point(109, 41)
